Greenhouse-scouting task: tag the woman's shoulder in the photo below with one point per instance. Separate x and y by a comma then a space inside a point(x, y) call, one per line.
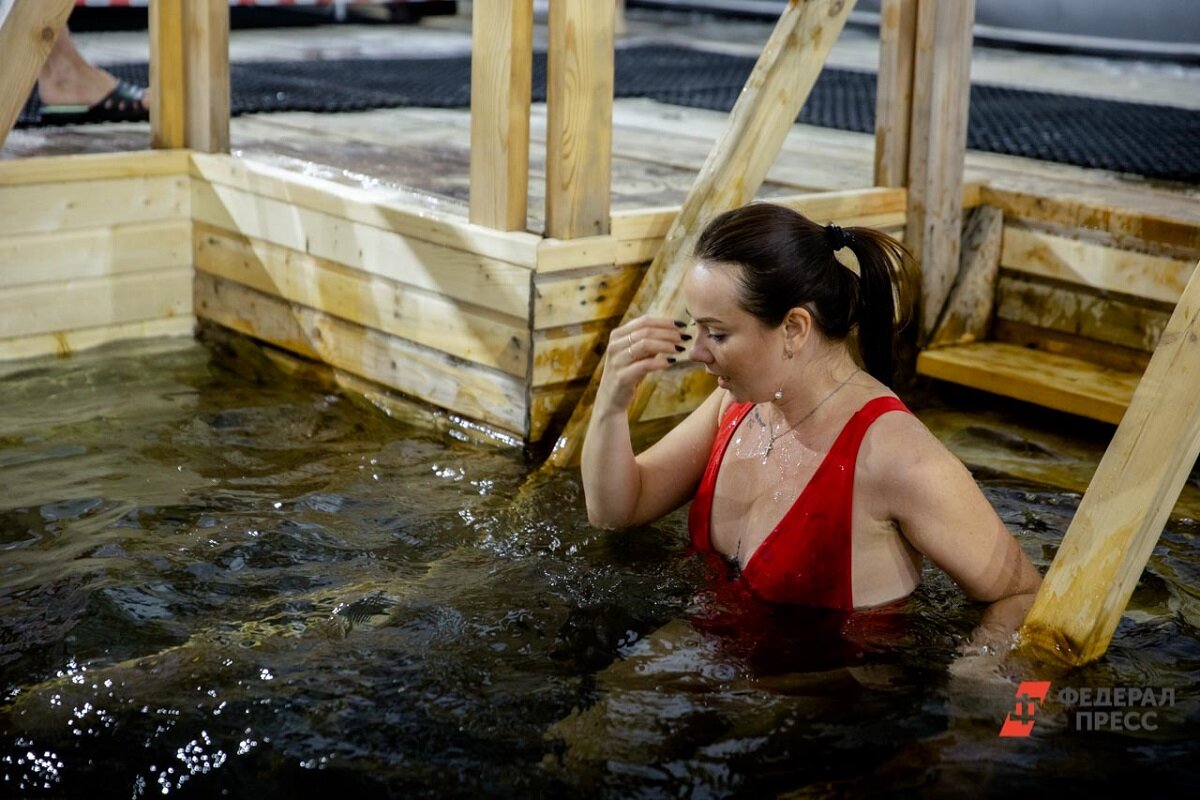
point(897, 444)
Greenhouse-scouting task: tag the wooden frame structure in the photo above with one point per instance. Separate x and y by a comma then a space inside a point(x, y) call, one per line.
point(505, 326)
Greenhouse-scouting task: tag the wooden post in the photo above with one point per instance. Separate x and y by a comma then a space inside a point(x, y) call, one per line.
point(1127, 503)
point(501, 85)
point(27, 35)
point(579, 96)
point(189, 74)
point(735, 169)
point(937, 147)
point(969, 311)
point(893, 97)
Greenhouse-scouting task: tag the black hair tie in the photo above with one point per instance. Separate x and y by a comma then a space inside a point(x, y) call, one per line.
point(838, 238)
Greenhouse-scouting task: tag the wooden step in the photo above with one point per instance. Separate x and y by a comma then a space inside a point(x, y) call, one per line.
point(1047, 379)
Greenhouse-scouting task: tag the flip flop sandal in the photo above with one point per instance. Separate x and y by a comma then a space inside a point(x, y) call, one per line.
point(122, 104)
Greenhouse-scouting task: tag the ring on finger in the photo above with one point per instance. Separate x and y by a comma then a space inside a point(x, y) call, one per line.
point(629, 344)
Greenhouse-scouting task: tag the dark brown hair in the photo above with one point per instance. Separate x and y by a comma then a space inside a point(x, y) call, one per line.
point(787, 260)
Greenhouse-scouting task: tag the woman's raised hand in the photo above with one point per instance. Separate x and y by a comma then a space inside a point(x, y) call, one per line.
point(642, 346)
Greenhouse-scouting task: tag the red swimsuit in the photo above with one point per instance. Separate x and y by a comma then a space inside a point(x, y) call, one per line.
point(806, 558)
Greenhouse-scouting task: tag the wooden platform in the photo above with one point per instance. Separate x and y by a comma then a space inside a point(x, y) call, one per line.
point(345, 238)
point(353, 227)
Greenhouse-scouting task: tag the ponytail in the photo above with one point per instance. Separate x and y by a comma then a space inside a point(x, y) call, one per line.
point(885, 278)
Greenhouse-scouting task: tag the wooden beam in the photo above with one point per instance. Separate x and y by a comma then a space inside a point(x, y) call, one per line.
point(470, 333)
point(462, 275)
point(1076, 311)
point(501, 86)
point(476, 391)
point(765, 111)
point(45, 308)
point(189, 74)
point(1047, 379)
point(70, 205)
point(969, 311)
point(1094, 265)
point(27, 35)
point(893, 98)
point(937, 147)
point(579, 98)
point(1123, 511)
point(1105, 354)
point(91, 167)
point(98, 252)
point(63, 343)
point(1130, 228)
point(415, 219)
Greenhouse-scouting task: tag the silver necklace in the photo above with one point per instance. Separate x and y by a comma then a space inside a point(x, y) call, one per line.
point(777, 436)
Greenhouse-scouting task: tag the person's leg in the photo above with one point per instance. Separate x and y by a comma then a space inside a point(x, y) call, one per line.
point(68, 79)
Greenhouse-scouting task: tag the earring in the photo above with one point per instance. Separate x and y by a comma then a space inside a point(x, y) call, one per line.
point(779, 394)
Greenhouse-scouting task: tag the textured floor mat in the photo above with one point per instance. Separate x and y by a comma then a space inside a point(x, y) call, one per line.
point(1149, 140)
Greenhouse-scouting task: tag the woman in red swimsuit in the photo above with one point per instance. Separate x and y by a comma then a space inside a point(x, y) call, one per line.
point(804, 469)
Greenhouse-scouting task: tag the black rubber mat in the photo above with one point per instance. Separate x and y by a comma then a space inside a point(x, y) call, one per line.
point(1153, 141)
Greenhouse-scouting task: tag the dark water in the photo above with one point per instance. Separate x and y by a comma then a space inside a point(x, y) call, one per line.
point(224, 582)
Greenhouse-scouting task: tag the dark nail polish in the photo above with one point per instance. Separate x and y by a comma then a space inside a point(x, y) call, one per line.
point(679, 348)
point(670, 359)
point(687, 337)
point(679, 324)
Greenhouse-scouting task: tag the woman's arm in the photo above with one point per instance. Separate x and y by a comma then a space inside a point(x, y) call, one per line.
point(622, 489)
point(940, 509)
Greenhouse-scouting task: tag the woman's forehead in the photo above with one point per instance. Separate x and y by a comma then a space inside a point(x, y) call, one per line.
point(711, 291)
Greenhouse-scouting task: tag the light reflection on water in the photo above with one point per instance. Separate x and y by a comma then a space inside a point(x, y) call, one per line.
point(216, 581)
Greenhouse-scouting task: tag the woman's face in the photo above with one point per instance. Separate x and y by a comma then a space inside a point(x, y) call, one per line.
point(730, 342)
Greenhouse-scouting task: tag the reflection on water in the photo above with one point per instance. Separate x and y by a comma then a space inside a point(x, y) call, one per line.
point(215, 582)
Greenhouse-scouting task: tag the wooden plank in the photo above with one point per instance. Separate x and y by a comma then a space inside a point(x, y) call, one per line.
point(395, 211)
point(65, 343)
point(1123, 511)
point(1049, 380)
point(471, 333)
point(758, 125)
point(485, 282)
point(682, 388)
point(550, 407)
point(92, 167)
point(569, 353)
point(475, 391)
point(168, 76)
point(576, 298)
point(405, 409)
point(1070, 310)
point(968, 313)
point(937, 147)
point(27, 35)
point(893, 99)
point(501, 87)
point(878, 207)
point(579, 99)
point(94, 252)
point(1094, 265)
point(1132, 226)
point(189, 61)
point(95, 302)
point(70, 205)
point(1122, 359)
point(558, 255)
